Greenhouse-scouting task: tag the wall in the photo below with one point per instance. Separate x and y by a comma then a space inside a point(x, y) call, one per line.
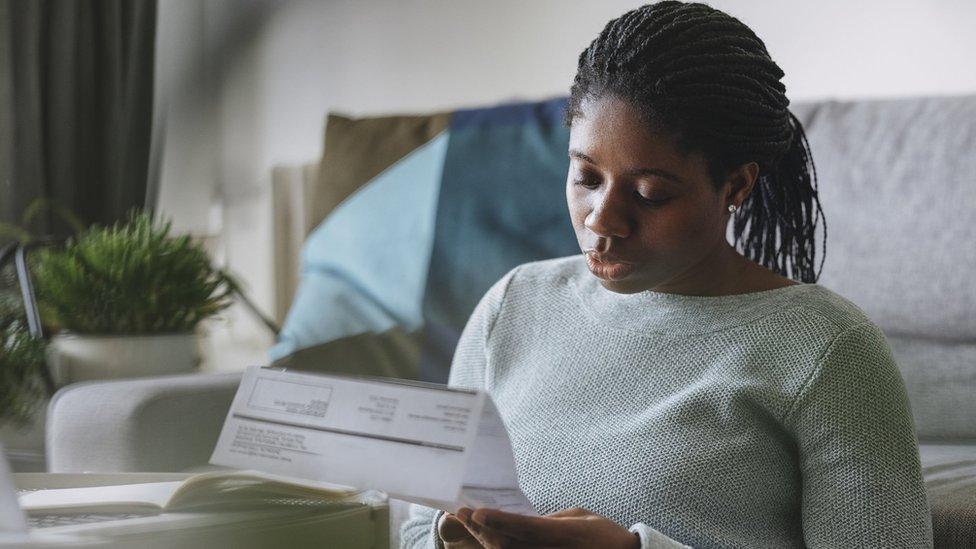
point(248, 83)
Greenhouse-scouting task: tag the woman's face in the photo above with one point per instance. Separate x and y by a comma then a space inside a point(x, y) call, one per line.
point(646, 216)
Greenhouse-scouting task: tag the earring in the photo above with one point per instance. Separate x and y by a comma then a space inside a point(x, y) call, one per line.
point(732, 208)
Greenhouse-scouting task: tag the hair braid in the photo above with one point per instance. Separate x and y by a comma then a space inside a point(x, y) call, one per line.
point(708, 79)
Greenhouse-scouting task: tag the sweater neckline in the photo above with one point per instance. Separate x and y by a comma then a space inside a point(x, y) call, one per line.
point(655, 312)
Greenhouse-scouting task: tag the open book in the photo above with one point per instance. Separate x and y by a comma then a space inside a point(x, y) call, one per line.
point(218, 490)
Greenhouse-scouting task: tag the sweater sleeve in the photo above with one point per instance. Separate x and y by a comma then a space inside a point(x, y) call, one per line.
point(652, 539)
point(468, 367)
point(858, 451)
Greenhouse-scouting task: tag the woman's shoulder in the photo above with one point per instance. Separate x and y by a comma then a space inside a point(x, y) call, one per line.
point(855, 368)
point(853, 347)
point(829, 307)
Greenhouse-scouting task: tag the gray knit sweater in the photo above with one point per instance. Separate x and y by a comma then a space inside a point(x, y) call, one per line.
point(768, 419)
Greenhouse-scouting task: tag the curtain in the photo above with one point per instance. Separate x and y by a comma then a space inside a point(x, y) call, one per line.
point(76, 83)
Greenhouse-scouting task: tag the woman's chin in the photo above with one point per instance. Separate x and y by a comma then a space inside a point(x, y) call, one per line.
point(623, 278)
point(624, 286)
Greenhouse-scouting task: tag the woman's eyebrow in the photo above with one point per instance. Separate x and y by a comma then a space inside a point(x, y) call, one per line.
point(635, 172)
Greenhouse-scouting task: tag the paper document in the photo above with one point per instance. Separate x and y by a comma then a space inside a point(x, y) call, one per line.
point(439, 446)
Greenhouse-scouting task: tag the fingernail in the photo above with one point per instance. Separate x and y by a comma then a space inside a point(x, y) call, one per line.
point(478, 517)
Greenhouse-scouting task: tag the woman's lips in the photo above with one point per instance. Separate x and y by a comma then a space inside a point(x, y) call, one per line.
point(609, 270)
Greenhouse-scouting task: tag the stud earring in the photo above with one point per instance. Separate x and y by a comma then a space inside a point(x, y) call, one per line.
point(732, 208)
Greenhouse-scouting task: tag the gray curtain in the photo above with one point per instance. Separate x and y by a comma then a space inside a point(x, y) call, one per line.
point(76, 82)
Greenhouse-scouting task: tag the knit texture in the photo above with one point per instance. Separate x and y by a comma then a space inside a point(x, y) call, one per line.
point(768, 419)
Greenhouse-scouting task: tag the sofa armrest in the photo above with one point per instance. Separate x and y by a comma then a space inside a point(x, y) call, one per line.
point(146, 424)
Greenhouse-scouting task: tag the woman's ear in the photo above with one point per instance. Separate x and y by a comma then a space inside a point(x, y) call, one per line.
point(741, 181)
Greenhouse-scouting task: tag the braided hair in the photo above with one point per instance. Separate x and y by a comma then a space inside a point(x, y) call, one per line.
point(707, 79)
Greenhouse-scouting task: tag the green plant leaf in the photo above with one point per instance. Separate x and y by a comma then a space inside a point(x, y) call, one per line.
point(21, 364)
point(9, 231)
point(131, 278)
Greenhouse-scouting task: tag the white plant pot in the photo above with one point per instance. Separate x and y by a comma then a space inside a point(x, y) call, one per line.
point(73, 357)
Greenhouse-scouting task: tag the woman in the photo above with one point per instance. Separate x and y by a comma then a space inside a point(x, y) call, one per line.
point(662, 389)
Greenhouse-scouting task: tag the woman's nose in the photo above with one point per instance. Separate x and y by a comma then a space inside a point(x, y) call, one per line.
point(609, 216)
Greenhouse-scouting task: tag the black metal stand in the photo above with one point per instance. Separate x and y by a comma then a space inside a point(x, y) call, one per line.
point(18, 252)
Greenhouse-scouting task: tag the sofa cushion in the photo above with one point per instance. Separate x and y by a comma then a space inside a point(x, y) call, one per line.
point(362, 280)
point(457, 211)
point(357, 149)
point(949, 471)
point(502, 203)
point(940, 377)
point(898, 188)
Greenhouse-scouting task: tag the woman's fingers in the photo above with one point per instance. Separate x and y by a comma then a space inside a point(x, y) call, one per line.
point(454, 533)
point(487, 537)
point(571, 512)
point(528, 529)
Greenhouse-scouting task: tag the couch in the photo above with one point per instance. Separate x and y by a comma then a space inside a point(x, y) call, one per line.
point(898, 187)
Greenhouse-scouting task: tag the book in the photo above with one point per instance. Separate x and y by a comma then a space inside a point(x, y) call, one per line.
point(216, 490)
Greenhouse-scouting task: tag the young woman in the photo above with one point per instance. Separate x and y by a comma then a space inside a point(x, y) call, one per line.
point(663, 389)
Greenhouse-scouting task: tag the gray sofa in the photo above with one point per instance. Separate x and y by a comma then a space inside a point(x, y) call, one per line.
point(898, 187)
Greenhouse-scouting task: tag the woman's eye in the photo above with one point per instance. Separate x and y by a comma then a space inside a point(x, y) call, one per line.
point(588, 183)
point(651, 200)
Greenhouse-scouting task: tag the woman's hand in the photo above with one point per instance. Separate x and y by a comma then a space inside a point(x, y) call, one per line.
point(455, 535)
point(574, 527)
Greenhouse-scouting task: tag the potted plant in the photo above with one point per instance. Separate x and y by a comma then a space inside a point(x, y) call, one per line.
point(22, 361)
point(127, 300)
